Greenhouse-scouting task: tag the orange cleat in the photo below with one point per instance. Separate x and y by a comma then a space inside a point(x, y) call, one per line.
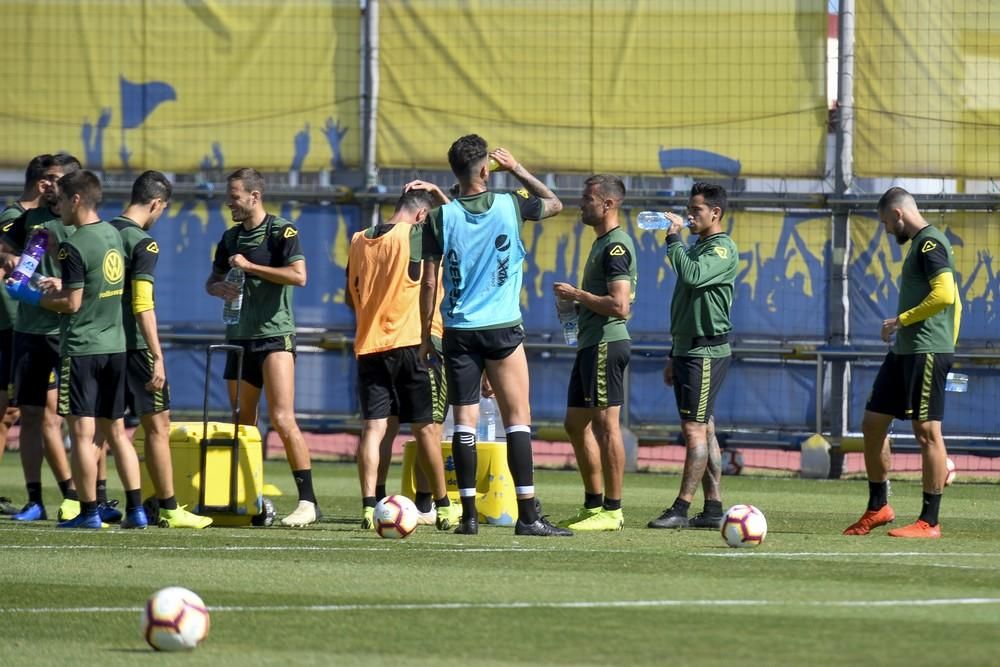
point(871, 519)
point(918, 529)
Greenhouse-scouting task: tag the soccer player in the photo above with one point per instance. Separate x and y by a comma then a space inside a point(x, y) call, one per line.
point(596, 385)
point(268, 250)
point(911, 381)
point(147, 393)
point(700, 355)
point(383, 289)
point(91, 346)
point(478, 237)
point(36, 347)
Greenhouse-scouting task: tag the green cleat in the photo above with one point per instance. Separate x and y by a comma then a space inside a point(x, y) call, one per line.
point(181, 518)
point(69, 509)
point(602, 520)
point(448, 517)
point(368, 519)
point(581, 514)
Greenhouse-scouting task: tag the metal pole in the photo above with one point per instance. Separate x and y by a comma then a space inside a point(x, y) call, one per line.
point(840, 307)
point(369, 89)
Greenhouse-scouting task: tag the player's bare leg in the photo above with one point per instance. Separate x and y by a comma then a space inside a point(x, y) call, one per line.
point(279, 385)
point(878, 462)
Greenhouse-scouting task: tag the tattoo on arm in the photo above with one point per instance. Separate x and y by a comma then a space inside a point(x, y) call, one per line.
point(550, 203)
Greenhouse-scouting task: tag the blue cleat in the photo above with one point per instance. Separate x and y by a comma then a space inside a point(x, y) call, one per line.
point(90, 520)
point(31, 512)
point(135, 517)
point(109, 513)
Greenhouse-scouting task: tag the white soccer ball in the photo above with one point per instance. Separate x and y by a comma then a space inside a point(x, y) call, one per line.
point(174, 619)
point(744, 526)
point(732, 462)
point(395, 517)
point(950, 465)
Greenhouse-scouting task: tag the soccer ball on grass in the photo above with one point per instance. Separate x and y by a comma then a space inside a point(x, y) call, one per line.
point(395, 517)
point(744, 526)
point(174, 619)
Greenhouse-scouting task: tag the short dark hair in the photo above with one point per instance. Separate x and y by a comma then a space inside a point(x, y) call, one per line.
point(608, 186)
point(252, 179)
point(84, 183)
point(713, 194)
point(149, 186)
point(35, 170)
point(894, 197)
point(415, 199)
point(68, 163)
point(465, 153)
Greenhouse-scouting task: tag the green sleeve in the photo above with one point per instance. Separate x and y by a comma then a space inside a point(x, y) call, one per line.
point(708, 268)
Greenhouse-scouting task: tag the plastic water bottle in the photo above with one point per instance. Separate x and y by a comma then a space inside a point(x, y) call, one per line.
point(569, 319)
point(655, 220)
point(448, 427)
point(34, 250)
point(957, 382)
point(487, 431)
point(231, 309)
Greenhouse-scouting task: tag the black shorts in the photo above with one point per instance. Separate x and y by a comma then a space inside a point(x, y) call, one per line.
point(6, 360)
point(911, 386)
point(696, 384)
point(36, 363)
point(254, 352)
point(139, 400)
point(396, 383)
point(93, 385)
point(465, 354)
point(598, 376)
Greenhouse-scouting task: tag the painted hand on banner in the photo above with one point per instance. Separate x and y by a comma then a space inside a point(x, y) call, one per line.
point(301, 148)
point(334, 136)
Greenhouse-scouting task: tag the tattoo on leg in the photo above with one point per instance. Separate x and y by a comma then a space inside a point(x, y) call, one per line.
point(695, 464)
point(712, 481)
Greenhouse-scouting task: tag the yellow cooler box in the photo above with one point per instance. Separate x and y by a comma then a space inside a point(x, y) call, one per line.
point(496, 499)
point(204, 479)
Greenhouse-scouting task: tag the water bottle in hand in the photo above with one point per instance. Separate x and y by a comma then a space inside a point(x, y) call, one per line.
point(569, 319)
point(957, 382)
point(231, 309)
point(655, 220)
point(487, 431)
point(34, 250)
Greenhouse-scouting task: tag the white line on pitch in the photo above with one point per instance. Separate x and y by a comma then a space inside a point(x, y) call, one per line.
point(836, 554)
point(589, 604)
point(134, 547)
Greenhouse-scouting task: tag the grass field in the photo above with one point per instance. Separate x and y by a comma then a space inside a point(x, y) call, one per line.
point(335, 595)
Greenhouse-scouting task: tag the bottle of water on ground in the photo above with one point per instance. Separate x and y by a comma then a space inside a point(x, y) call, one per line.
point(957, 382)
point(448, 427)
point(34, 250)
point(231, 309)
point(569, 319)
point(488, 418)
point(654, 220)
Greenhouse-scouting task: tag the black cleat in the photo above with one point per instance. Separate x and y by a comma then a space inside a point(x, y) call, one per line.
point(468, 526)
point(541, 528)
point(669, 519)
point(709, 521)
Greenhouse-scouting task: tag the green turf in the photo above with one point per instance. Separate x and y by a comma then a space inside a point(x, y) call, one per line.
point(807, 596)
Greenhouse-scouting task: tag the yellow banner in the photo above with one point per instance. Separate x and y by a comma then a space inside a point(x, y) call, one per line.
point(633, 86)
point(926, 91)
point(179, 86)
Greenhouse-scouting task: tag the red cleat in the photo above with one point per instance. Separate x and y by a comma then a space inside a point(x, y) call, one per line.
point(918, 529)
point(871, 519)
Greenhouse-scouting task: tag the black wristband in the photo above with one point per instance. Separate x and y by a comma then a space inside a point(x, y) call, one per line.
point(674, 238)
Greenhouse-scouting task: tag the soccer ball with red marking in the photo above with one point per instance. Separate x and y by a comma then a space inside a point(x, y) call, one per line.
point(950, 465)
point(744, 526)
point(174, 619)
point(395, 517)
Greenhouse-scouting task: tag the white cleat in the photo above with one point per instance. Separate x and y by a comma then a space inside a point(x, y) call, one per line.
point(303, 515)
point(427, 518)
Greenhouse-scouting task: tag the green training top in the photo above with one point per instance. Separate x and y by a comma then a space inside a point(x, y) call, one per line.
point(93, 259)
point(35, 319)
point(703, 296)
point(612, 258)
point(930, 254)
point(141, 254)
point(8, 307)
point(267, 306)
